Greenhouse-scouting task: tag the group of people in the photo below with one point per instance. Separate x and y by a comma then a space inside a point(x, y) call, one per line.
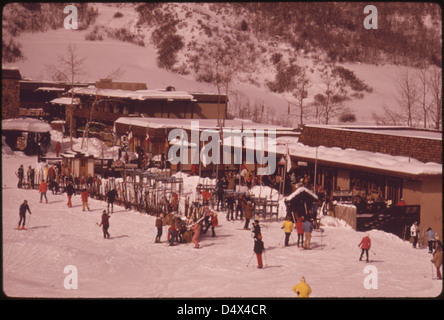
point(304, 227)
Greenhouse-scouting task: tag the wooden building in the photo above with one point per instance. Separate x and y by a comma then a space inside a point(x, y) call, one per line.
point(392, 163)
point(78, 164)
point(108, 101)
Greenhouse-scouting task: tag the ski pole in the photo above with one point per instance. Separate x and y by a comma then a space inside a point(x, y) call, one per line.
point(250, 259)
point(29, 222)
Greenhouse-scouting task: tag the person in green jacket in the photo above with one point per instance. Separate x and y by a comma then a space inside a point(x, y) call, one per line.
point(288, 227)
point(302, 289)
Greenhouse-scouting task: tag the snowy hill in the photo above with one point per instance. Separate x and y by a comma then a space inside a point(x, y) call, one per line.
point(131, 265)
point(197, 24)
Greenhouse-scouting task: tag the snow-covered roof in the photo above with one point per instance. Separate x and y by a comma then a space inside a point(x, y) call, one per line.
point(65, 101)
point(159, 123)
point(152, 94)
point(26, 124)
point(298, 191)
point(50, 89)
point(359, 158)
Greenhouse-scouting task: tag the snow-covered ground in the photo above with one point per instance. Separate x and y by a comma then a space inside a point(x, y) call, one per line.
point(131, 265)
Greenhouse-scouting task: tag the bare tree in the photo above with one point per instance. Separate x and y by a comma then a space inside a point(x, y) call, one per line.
point(332, 98)
point(114, 74)
point(435, 85)
point(423, 89)
point(221, 60)
point(69, 67)
point(303, 83)
point(408, 95)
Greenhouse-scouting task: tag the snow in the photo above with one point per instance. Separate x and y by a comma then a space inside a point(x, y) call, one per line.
point(26, 124)
point(130, 265)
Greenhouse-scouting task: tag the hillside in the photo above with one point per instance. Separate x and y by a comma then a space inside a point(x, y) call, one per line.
point(262, 53)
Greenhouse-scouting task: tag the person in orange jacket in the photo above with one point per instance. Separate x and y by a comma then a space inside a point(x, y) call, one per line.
point(365, 245)
point(42, 189)
point(84, 196)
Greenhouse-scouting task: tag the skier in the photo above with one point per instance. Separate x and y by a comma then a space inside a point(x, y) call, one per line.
point(302, 289)
point(365, 245)
point(240, 206)
point(159, 226)
point(196, 231)
point(414, 232)
point(22, 213)
point(437, 260)
point(42, 189)
point(248, 214)
point(300, 231)
point(84, 196)
point(105, 224)
point(307, 226)
point(288, 227)
point(110, 197)
point(259, 249)
point(31, 173)
point(69, 191)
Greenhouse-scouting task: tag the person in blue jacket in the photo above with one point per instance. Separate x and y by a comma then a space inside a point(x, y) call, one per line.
point(307, 226)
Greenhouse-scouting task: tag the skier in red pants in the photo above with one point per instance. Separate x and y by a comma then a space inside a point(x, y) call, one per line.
point(259, 249)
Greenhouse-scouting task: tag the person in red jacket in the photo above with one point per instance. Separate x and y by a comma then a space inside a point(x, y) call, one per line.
point(300, 230)
point(365, 245)
point(42, 189)
point(84, 196)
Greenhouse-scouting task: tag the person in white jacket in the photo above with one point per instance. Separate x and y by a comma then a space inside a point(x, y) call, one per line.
point(414, 231)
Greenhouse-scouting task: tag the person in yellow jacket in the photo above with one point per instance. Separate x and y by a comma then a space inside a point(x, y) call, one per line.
point(302, 289)
point(288, 227)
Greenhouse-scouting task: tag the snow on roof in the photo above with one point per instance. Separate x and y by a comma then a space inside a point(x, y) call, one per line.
point(65, 101)
point(375, 160)
point(159, 123)
point(50, 89)
point(299, 191)
point(153, 94)
point(26, 124)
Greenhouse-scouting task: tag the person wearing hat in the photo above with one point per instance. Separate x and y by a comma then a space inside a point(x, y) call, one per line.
point(365, 245)
point(159, 226)
point(302, 289)
point(105, 224)
point(288, 228)
point(259, 249)
point(22, 213)
point(248, 214)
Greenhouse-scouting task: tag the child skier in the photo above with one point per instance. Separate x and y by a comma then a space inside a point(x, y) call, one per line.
point(196, 231)
point(259, 249)
point(365, 245)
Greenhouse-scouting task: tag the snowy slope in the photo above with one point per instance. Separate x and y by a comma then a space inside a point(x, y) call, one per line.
point(131, 265)
point(139, 64)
